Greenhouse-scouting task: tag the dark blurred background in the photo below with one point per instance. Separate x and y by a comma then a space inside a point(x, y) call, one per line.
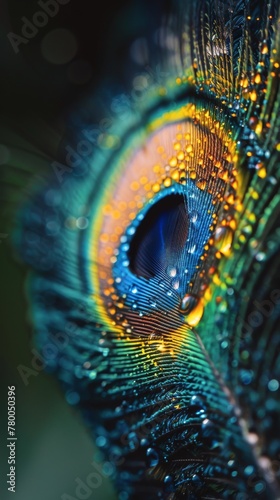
point(46, 70)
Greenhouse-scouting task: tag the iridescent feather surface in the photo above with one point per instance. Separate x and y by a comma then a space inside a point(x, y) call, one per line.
point(156, 264)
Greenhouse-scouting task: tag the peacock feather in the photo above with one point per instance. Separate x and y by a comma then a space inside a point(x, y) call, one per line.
point(155, 286)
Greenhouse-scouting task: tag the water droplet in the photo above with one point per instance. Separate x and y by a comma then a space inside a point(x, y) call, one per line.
point(223, 239)
point(249, 470)
point(259, 487)
point(101, 441)
point(264, 47)
point(152, 457)
point(168, 482)
point(201, 413)
point(208, 428)
point(171, 271)
point(252, 438)
point(131, 231)
point(175, 283)
point(152, 302)
point(192, 308)
point(193, 216)
point(108, 469)
point(82, 223)
point(260, 256)
point(144, 442)
point(92, 375)
point(72, 397)
point(125, 247)
point(198, 401)
point(246, 376)
point(273, 385)
point(207, 424)
point(272, 180)
point(197, 480)
point(192, 248)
